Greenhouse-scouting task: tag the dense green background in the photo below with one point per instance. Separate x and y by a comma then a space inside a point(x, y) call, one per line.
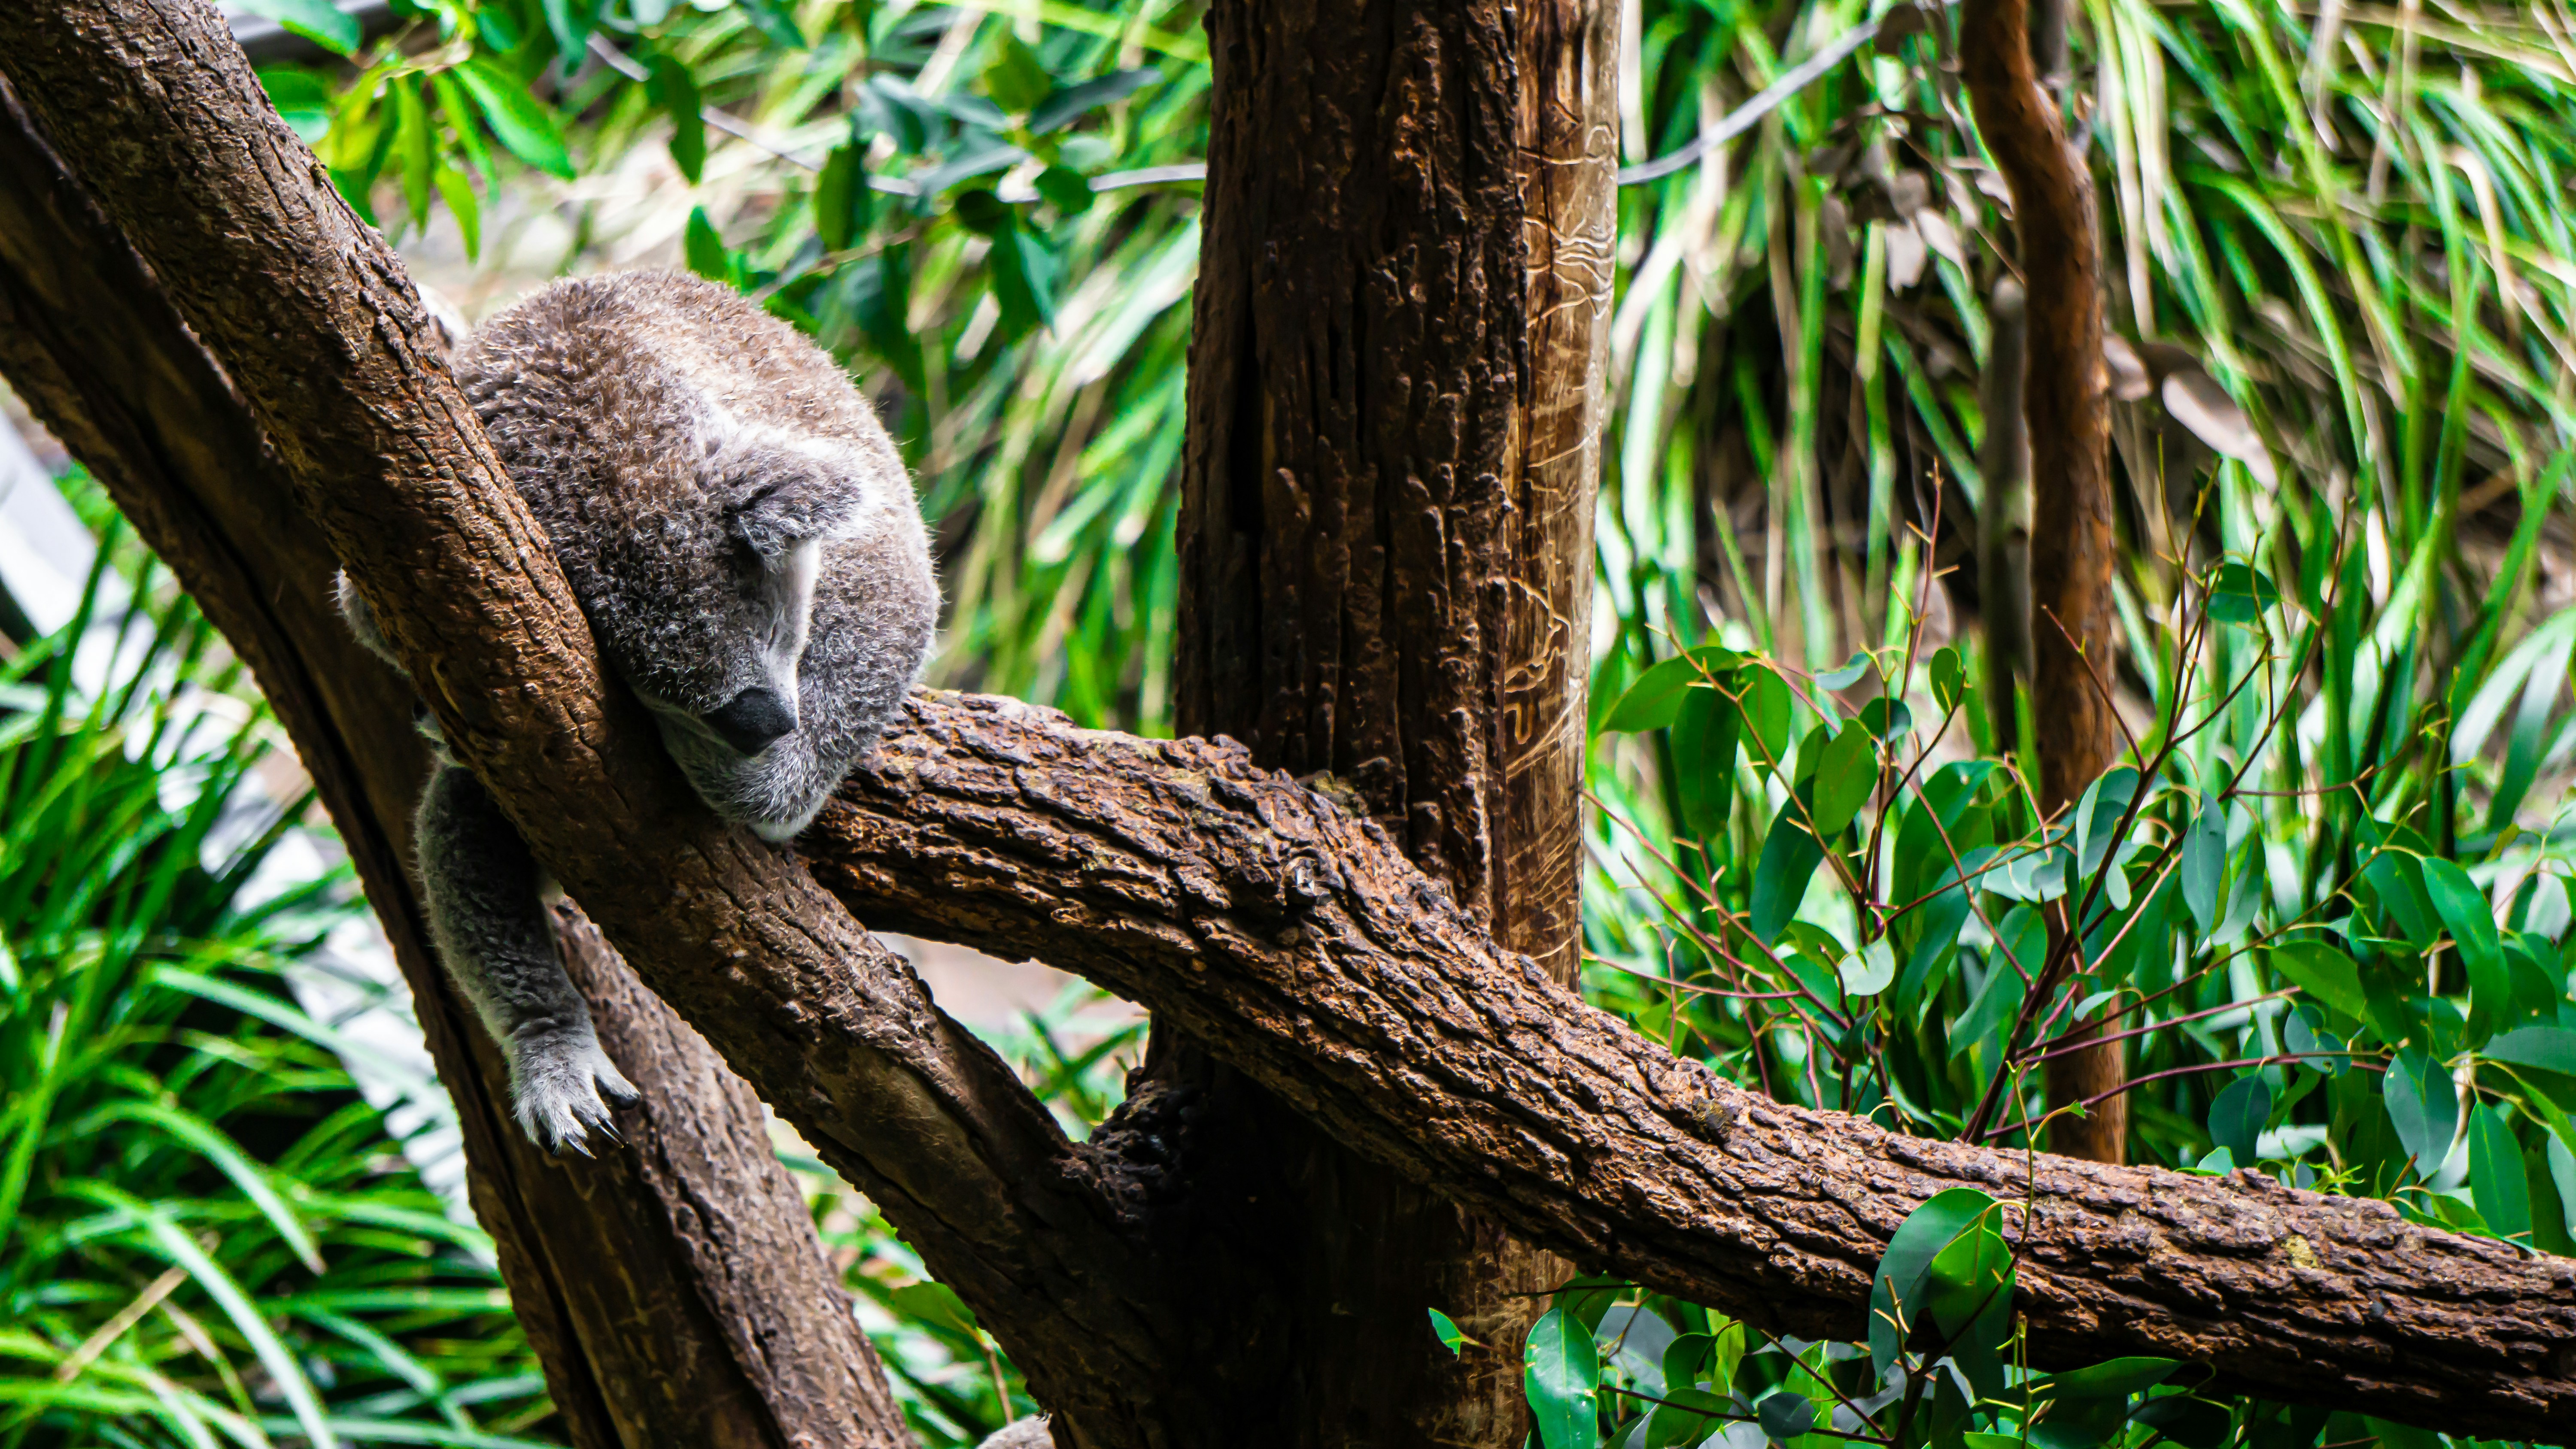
point(2329, 891)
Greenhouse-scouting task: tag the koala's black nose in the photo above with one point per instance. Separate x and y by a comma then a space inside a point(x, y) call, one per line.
point(752, 719)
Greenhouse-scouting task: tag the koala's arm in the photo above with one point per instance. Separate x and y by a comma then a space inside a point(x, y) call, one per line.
point(487, 917)
point(487, 913)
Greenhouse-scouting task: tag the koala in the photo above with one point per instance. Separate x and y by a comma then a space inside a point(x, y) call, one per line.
point(745, 542)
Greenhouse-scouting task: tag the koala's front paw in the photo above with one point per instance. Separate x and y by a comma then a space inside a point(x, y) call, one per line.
point(557, 1077)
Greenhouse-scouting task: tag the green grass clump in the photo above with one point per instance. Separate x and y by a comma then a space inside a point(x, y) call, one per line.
point(206, 1235)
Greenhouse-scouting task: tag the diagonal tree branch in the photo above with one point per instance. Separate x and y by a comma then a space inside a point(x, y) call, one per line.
point(1299, 944)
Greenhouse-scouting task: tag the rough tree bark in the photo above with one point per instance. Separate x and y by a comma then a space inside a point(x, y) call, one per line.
point(2066, 404)
point(690, 1226)
point(1395, 373)
point(1256, 916)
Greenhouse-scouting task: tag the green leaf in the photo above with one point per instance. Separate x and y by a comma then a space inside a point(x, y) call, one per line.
point(2204, 864)
point(842, 201)
point(1938, 831)
point(1654, 701)
point(464, 206)
point(2550, 1048)
point(570, 21)
point(2239, 595)
point(2112, 1379)
point(2324, 973)
point(2098, 816)
point(1068, 190)
point(415, 147)
point(2300, 1033)
point(301, 99)
point(670, 86)
point(319, 21)
point(931, 1302)
point(1949, 678)
point(2396, 877)
point(2424, 1107)
point(2023, 937)
point(1447, 1332)
point(1887, 718)
point(1868, 971)
point(175, 1247)
point(521, 124)
point(2237, 1117)
point(1023, 280)
point(1016, 79)
point(2496, 1175)
point(775, 21)
point(1788, 862)
point(1703, 745)
point(1685, 1418)
point(705, 250)
point(1896, 1290)
point(1068, 104)
point(1968, 1279)
point(2463, 908)
point(1847, 676)
point(1561, 1373)
point(1845, 779)
point(1766, 717)
point(1785, 1415)
point(2192, 1423)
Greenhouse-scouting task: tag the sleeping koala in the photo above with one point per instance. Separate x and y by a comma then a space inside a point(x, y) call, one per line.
point(745, 542)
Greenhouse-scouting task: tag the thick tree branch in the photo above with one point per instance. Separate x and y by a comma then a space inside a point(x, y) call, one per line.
point(690, 1224)
point(1299, 944)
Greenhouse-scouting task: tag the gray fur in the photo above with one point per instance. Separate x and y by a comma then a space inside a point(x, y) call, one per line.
point(731, 517)
point(1031, 1433)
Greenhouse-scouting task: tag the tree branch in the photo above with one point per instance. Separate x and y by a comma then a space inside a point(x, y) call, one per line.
point(2004, 48)
point(1299, 944)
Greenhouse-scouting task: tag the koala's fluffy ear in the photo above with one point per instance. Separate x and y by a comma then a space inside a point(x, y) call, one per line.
point(775, 497)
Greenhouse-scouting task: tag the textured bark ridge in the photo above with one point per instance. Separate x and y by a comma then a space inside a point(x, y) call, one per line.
point(691, 1226)
point(2066, 403)
point(1397, 352)
point(1294, 940)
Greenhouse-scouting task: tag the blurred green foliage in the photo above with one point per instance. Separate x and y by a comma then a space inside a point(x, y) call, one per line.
point(206, 1234)
point(2327, 895)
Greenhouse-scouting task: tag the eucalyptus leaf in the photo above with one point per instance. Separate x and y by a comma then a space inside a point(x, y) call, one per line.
point(1561, 1373)
point(2424, 1106)
point(2239, 1113)
point(2496, 1174)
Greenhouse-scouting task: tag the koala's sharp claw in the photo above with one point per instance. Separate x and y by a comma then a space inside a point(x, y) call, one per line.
point(556, 1082)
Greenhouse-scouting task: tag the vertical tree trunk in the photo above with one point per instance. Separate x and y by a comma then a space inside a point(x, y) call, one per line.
point(674, 1288)
point(2067, 405)
point(1386, 532)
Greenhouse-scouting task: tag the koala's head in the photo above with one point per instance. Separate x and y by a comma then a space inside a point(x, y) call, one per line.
point(711, 606)
point(736, 525)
